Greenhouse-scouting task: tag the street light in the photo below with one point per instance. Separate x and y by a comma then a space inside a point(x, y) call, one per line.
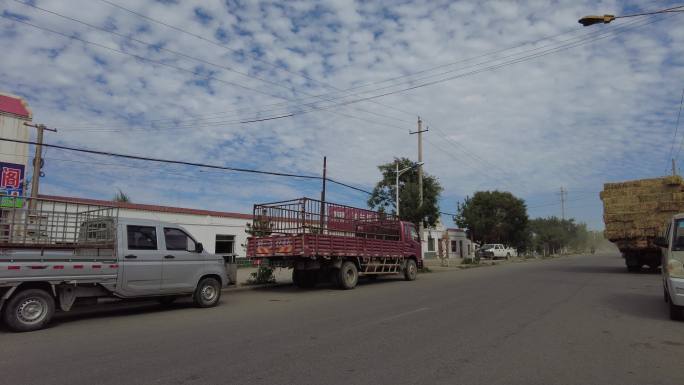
point(605, 19)
point(398, 173)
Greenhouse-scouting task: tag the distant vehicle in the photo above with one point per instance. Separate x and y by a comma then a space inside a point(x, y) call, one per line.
point(635, 212)
point(672, 245)
point(322, 240)
point(496, 250)
point(56, 254)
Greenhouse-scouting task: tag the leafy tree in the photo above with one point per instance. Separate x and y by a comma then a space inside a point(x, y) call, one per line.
point(384, 193)
point(494, 217)
point(121, 196)
point(553, 234)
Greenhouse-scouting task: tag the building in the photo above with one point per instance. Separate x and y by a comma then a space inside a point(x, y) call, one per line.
point(449, 243)
point(14, 157)
point(219, 231)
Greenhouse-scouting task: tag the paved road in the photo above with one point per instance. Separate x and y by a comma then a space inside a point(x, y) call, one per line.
point(579, 320)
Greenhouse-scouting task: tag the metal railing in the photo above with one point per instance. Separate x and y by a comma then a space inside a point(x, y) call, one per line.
point(311, 216)
point(46, 223)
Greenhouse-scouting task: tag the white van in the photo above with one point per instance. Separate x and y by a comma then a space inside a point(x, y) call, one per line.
point(672, 245)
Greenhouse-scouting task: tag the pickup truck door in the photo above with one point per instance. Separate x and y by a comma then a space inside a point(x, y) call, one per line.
point(182, 265)
point(141, 263)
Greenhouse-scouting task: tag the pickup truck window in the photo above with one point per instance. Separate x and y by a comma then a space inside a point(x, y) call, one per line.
point(678, 239)
point(142, 237)
point(176, 239)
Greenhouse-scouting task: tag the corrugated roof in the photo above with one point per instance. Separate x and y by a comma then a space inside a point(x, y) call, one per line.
point(146, 207)
point(15, 106)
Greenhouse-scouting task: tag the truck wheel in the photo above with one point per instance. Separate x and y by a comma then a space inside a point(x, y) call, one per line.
point(411, 270)
point(508, 255)
point(348, 276)
point(29, 310)
point(207, 293)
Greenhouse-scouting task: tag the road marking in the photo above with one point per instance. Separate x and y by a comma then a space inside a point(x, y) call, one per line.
point(402, 314)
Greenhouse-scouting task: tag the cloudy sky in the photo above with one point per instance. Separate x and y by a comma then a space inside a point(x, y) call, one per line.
point(516, 94)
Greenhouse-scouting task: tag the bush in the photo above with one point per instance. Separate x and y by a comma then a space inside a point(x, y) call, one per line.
point(264, 274)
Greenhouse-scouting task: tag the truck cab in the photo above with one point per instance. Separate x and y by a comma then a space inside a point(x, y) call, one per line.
point(672, 247)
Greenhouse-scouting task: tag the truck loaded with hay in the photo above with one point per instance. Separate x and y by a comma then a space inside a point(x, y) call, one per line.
point(636, 212)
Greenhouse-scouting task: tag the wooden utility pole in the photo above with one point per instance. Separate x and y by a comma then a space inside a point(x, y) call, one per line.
point(38, 158)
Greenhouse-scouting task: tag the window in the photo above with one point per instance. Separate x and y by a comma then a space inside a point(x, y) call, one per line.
point(224, 244)
point(176, 239)
point(454, 246)
point(431, 243)
point(142, 237)
point(678, 236)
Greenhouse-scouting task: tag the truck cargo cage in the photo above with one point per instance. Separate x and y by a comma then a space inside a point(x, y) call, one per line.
point(47, 223)
point(311, 216)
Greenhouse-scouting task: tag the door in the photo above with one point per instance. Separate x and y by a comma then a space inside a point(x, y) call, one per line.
point(183, 265)
point(142, 260)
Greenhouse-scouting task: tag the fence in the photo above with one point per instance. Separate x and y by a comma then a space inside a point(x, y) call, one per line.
point(305, 215)
point(46, 223)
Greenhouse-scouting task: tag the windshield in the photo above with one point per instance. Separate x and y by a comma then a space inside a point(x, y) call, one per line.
point(487, 247)
point(678, 236)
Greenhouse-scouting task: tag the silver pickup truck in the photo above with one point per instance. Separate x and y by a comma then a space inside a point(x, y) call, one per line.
point(56, 254)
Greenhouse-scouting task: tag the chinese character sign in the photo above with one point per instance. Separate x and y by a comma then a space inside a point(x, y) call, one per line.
point(11, 184)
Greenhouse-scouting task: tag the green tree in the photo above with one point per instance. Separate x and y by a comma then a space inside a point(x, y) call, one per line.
point(384, 193)
point(553, 234)
point(121, 196)
point(494, 217)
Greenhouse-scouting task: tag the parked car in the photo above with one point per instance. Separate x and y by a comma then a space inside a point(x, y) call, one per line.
point(496, 250)
point(54, 255)
point(672, 246)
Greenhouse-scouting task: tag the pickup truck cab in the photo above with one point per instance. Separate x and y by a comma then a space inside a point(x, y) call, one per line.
point(47, 264)
point(672, 246)
point(496, 250)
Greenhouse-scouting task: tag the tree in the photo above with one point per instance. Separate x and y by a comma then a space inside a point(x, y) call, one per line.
point(494, 217)
point(552, 234)
point(384, 193)
point(121, 196)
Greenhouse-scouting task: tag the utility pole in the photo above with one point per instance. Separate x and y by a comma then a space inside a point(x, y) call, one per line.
point(420, 170)
point(325, 169)
point(563, 193)
point(38, 158)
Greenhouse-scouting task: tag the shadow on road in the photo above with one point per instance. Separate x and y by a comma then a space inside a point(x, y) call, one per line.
point(638, 305)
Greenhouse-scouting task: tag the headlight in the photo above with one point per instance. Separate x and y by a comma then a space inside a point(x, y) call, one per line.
point(675, 268)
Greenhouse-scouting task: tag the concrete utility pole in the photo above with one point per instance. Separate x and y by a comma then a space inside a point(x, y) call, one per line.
point(38, 158)
point(420, 169)
point(563, 193)
point(325, 170)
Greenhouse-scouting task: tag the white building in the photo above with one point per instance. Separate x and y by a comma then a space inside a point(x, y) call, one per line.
point(218, 231)
point(446, 242)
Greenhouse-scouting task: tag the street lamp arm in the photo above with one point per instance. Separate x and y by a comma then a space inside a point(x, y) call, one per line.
point(605, 19)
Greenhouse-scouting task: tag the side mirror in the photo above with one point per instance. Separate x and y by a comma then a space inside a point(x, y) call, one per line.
point(660, 242)
point(199, 248)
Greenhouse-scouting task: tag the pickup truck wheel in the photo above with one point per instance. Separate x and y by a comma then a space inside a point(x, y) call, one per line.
point(411, 270)
point(347, 276)
point(508, 255)
point(29, 310)
point(207, 293)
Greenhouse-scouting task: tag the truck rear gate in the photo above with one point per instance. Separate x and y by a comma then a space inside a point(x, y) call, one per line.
point(312, 236)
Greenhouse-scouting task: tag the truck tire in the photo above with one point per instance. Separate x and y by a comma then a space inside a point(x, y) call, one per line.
point(508, 256)
point(29, 310)
point(207, 293)
point(411, 270)
point(347, 276)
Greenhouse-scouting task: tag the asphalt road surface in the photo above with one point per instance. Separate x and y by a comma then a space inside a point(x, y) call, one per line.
point(577, 320)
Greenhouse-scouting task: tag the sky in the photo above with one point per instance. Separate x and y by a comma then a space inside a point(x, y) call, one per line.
point(516, 96)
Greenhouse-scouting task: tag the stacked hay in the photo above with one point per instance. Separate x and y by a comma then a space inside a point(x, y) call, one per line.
point(635, 212)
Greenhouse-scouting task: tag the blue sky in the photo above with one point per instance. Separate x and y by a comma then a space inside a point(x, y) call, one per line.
point(600, 108)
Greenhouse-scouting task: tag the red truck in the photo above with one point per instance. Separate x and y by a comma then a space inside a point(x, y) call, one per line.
point(319, 240)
